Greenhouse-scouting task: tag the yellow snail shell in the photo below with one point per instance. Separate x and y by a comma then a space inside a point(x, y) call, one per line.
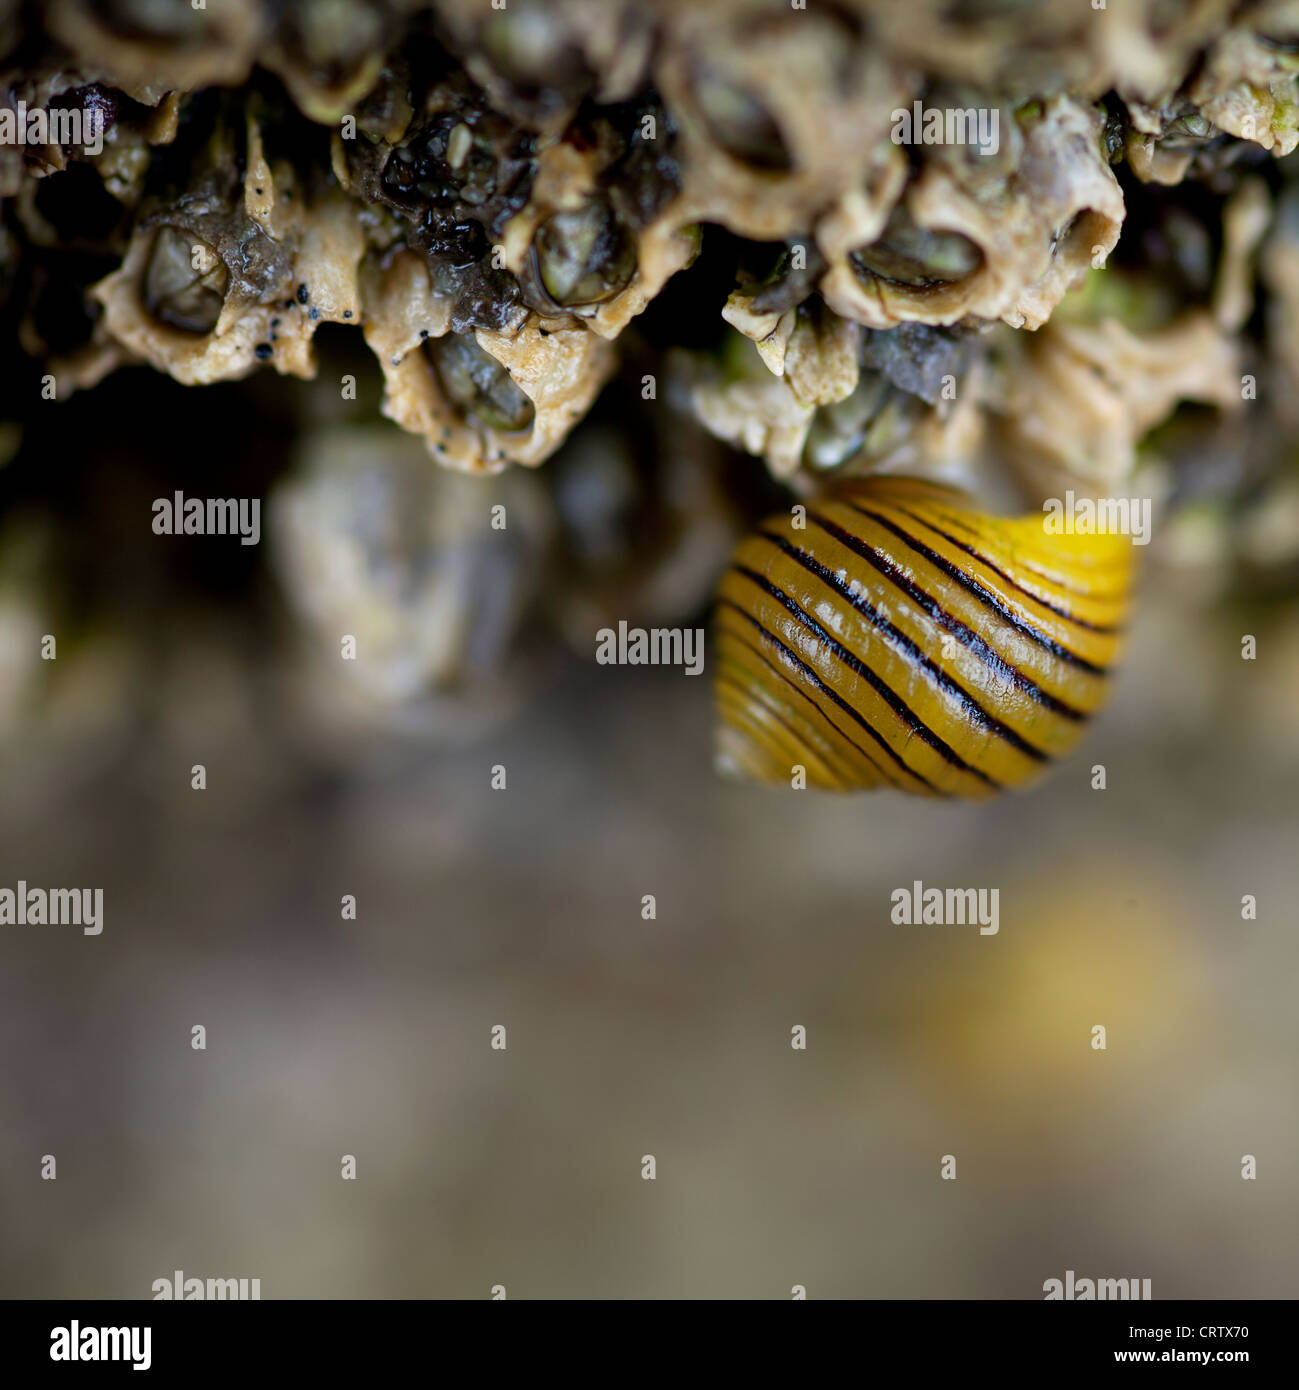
point(902, 638)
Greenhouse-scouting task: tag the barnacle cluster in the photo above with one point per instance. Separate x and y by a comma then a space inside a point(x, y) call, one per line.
point(990, 241)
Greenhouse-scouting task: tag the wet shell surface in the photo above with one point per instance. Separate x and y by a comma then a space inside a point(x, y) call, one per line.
point(898, 637)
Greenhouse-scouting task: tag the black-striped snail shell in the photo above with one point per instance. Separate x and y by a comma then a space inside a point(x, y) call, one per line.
point(902, 638)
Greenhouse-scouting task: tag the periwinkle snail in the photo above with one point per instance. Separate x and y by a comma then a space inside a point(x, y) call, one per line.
point(900, 638)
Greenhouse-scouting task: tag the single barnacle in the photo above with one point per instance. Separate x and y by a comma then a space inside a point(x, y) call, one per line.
point(186, 281)
point(329, 53)
point(480, 399)
point(1248, 84)
point(840, 430)
point(602, 229)
point(148, 49)
point(405, 557)
point(738, 120)
point(1005, 238)
point(583, 256)
point(236, 272)
point(537, 60)
point(780, 115)
point(920, 257)
point(477, 384)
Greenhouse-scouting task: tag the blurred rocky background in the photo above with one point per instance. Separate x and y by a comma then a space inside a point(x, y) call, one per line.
point(522, 907)
point(1168, 373)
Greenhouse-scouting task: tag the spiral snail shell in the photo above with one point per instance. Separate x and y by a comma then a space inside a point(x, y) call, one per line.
point(899, 637)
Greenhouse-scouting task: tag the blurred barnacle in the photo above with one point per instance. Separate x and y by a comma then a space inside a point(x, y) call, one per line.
point(737, 121)
point(1042, 48)
point(135, 133)
point(970, 240)
point(921, 257)
point(1245, 220)
point(780, 114)
point(842, 430)
point(372, 542)
point(29, 589)
point(1147, 49)
point(1279, 271)
point(1179, 142)
point(11, 28)
point(1266, 531)
point(899, 398)
point(813, 349)
point(72, 210)
point(67, 103)
point(57, 321)
point(1023, 47)
point(735, 396)
point(148, 48)
point(1075, 400)
point(383, 114)
point(11, 255)
point(330, 53)
point(1247, 84)
point(784, 285)
point(920, 359)
point(235, 272)
point(480, 399)
point(537, 60)
point(765, 305)
point(643, 513)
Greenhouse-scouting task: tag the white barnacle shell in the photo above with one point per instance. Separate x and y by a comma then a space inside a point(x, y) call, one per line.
point(318, 245)
point(779, 115)
point(1032, 228)
point(148, 50)
point(372, 542)
point(1247, 86)
point(555, 371)
point(566, 179)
